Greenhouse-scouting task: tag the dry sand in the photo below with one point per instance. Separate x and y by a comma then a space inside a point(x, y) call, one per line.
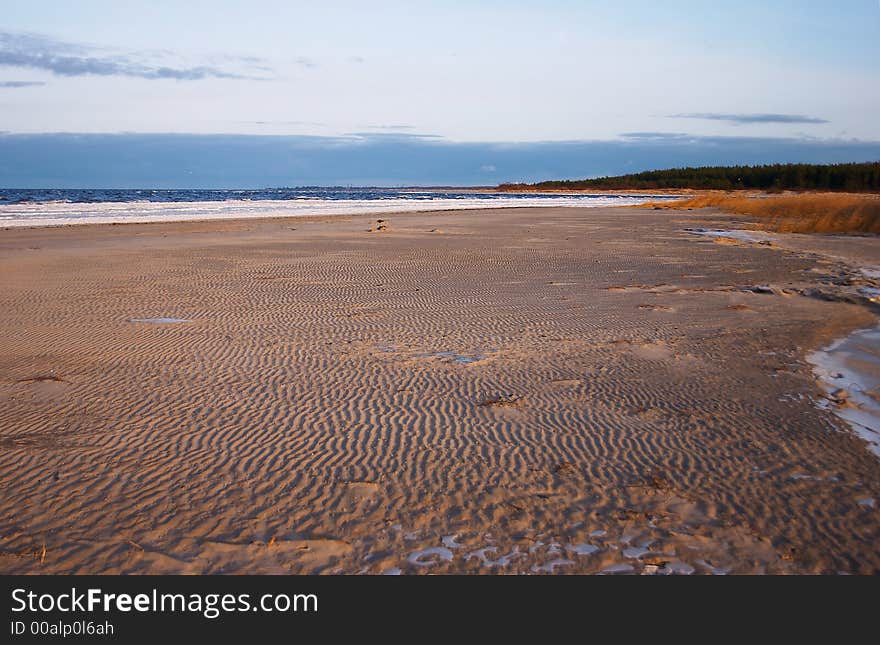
point(530, 390)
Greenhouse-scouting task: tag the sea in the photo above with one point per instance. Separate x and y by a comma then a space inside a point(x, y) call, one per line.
point(56, 207)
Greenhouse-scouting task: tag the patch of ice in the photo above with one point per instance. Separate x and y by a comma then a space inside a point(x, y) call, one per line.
point(742, 236)
point(800, 477)
point(852, 363)
point(551, 566)
point(715, 571)
point(451, 356)
point(618, 568)
point(678, 569)
point(502, 561)
point(871, 293)
point(582, 549)
point(449, 541)
point(636, 551)
point(431, 556)
point(159, 321)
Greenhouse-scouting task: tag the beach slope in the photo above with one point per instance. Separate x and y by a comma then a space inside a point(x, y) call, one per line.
point(529, 390)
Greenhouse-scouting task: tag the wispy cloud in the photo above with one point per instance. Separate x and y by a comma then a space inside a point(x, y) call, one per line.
point(33, 51)
point(12, 84)
point(388, 127)
point(305, 61)
point(316, 124)
point(748, 119)
point(654, 136)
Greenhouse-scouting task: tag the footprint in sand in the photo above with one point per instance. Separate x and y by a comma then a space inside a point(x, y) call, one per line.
point(359, 491)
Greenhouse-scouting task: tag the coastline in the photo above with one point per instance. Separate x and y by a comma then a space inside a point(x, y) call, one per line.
point(62, 213)
point(524, 391)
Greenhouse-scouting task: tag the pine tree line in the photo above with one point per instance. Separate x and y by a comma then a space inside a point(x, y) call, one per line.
point(844, 177)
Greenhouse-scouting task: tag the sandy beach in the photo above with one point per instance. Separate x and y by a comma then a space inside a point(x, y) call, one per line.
point(553, 390)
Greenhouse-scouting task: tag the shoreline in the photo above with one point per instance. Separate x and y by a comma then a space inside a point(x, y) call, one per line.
point(40, 214)
point(530, 390)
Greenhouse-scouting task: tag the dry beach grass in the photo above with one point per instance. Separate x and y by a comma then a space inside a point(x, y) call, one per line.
point(828, 213)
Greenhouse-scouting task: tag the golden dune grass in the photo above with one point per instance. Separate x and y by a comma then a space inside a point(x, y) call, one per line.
point(795, 213)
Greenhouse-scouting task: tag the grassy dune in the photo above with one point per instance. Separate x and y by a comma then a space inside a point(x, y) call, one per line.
point(794, 213)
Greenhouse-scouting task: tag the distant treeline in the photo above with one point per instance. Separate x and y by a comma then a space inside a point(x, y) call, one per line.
point(846, 177)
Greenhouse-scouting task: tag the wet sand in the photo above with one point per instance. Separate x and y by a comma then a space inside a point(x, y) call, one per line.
point(527, 390)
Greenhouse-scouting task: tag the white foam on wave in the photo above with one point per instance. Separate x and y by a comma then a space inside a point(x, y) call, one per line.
point(61, 213)
point(852, 364)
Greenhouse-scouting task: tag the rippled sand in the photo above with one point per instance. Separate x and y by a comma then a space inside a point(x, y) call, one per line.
point(530, 390)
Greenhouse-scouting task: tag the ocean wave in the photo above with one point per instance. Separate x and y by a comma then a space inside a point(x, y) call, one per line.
point(302, 203)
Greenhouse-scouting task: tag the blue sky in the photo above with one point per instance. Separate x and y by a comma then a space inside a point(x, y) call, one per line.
point(388, 82)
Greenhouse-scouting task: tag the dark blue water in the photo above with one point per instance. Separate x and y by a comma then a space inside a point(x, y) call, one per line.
point(92, 196)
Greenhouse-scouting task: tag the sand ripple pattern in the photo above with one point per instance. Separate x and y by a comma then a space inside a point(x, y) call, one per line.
point(625, 410)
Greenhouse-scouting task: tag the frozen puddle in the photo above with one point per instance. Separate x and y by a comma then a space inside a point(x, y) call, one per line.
point(159, 321)
point(742, 236)
point(849, 372)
